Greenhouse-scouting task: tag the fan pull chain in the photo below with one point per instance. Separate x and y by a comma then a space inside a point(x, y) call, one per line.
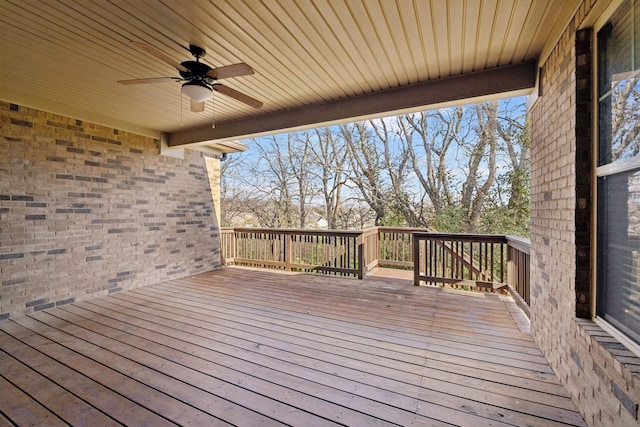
point(213, 113)
point(181, 102)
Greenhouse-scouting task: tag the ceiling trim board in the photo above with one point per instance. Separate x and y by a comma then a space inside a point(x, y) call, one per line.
point(499, 80)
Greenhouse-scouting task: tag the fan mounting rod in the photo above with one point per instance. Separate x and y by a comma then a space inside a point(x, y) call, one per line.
point(197, 51)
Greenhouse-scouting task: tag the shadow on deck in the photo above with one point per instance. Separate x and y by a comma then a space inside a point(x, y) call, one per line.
point(246, 347)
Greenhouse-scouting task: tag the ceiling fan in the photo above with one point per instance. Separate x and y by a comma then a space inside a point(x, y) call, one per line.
point(200, 80)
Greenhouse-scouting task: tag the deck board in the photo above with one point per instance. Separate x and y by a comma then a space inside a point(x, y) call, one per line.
point(55, 398)
point(241, 346)
point(23, 409)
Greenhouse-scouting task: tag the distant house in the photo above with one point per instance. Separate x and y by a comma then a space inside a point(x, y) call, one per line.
point(322, 223)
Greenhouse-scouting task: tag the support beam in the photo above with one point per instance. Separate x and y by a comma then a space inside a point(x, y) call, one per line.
point(514, 79)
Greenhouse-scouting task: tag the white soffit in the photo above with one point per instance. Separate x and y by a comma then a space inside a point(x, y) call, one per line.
point(65, 56)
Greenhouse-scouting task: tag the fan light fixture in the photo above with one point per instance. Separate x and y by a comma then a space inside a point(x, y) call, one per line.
point(197, 91)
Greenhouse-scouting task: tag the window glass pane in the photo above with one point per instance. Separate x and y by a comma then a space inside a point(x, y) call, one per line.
point(636, 34)
point(625, 119)
point(604, 131)
point(619, 251)
point(604, 70)
point(619, 88)
point(619, 54)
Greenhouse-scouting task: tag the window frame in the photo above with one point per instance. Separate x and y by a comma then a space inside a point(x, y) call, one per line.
point(598, 171)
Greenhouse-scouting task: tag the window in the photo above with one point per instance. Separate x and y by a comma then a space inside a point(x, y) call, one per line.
point(618, 171)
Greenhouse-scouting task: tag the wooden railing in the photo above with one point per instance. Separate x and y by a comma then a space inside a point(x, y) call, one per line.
point(518, 264)
point(320, 251)
point(395, 246)
point(469, 261)
point(460, 260)
point(370, 249)
point(473, 261)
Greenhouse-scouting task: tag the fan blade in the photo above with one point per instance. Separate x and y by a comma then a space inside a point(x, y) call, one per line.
point(150, 80)
point(161, 56)
point(239, 96)
point(227, 71)
point(197, 107)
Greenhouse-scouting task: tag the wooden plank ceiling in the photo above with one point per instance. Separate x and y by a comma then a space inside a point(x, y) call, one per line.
point(65, 56)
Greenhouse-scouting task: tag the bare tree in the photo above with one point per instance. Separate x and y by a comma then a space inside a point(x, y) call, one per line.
point(454, 154)
point(230, 192)
point(243, 200)
point(514, 140)
point(276, 177)
point(441, 168)
point(396, 157)
point(625, 131)
point(329, 153)
point(366, 167)
point(299, 148)
point(285, 177)
point(480, 151)
point(430, 137)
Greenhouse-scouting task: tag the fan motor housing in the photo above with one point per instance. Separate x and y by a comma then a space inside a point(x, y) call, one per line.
point(196, 69)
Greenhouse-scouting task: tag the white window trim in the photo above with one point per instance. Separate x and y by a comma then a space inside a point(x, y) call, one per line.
point(619, 166)
point(610, 329)
point(597, 171)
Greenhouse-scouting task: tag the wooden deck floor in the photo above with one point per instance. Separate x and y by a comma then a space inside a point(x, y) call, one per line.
point(253, 347)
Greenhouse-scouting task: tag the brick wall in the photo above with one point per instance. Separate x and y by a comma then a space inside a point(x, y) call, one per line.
point(86, 210)
point(602, 377)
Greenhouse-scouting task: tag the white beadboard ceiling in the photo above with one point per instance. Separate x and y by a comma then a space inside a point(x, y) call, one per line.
point(314, 60)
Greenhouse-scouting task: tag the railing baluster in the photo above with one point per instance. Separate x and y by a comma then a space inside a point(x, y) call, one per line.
point(452, 272)
point(480, 275)
point(430, 260)
point(442, 259)
point(502, 263)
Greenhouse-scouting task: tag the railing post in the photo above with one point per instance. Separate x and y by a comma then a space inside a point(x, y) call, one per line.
point(233, 245)
point(227, 246)
point(288, 243)
point(366, 250)
point(518, 265)
point(377, 247)
point(360, 247)
point(416, 260)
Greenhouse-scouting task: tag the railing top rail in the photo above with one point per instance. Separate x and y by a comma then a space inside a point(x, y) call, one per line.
point(520, 243)
point(369, 231)
point(288, 231)
point(403, 230)
point(517, 242)
point(487, 238)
